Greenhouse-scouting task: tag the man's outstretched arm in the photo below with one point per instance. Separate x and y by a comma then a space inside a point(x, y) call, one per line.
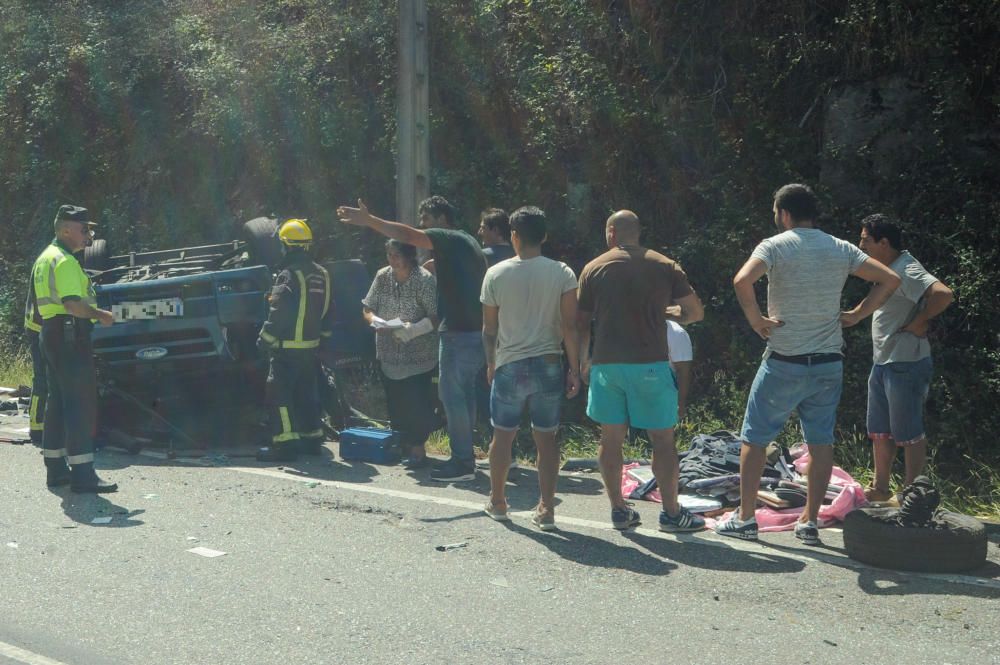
point(361, 217)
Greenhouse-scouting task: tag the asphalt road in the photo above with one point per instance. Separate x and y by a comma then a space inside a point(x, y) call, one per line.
point(342, 566)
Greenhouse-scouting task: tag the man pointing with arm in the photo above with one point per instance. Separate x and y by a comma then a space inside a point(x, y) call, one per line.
point(460, 266)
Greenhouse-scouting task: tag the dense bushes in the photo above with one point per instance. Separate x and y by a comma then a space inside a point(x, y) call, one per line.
point(176, 121)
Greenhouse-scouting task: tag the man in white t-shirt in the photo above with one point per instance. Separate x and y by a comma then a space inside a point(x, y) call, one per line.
point(681, 356)
point(802, 369)
point(529, 312)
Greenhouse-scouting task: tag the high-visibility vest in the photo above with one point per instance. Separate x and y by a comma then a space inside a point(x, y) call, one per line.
point(57, 275)
point(32, 317)
point(300, 308)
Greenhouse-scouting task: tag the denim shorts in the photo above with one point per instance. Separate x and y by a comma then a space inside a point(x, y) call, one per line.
point(537, 382)
point(643, 395)
point(896, 396)
point(781, 387)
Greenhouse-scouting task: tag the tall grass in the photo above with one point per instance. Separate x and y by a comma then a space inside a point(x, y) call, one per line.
point(15, 370)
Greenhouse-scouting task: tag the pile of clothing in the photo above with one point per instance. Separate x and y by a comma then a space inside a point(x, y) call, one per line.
point(711, 467)
point(710, 482)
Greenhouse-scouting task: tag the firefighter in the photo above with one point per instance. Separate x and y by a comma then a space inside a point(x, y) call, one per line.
point(300, 313)
point(39, 386)
point(67, 304)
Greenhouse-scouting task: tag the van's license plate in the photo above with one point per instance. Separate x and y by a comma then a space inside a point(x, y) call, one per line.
point(148, 309)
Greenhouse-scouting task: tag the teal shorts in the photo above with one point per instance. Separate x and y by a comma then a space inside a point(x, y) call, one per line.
point(641, 395)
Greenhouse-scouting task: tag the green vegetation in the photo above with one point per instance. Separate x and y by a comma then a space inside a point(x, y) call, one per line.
point(15, 370)
point(174, 122)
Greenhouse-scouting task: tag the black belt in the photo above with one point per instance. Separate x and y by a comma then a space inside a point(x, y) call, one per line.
point(808, 358)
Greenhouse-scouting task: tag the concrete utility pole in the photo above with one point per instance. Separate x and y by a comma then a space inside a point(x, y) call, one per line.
point(413, 165)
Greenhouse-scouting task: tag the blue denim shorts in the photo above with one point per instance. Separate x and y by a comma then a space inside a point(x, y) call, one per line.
point(896, 396)
point(782, 387)
point(643, 395)
point(537, 382)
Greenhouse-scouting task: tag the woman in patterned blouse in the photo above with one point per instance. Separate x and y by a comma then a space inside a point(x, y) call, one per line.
point(407, 356)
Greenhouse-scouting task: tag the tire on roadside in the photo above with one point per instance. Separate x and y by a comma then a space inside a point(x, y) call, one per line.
point(872, 536)
point(96, 255)
point(261, 237)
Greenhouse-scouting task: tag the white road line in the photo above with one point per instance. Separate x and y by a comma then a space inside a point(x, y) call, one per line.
point(705, 538)
point(25, 656)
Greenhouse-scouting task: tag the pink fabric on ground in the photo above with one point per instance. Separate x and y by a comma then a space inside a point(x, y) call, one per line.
point(629, 484)
point(852, 497)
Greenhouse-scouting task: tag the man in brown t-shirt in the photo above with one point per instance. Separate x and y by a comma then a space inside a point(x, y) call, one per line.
point(626, 292)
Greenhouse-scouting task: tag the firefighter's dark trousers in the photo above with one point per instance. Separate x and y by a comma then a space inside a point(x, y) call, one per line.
point(39, 387)
point(293, 396)
point(71, 410)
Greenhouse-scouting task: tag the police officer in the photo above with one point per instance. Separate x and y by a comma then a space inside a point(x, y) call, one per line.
point(300, 313)
point(68, 306)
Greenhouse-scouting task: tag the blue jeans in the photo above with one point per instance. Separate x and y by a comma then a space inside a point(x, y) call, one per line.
point(896, 395)
point(537, 382)
point(781, 387)
point(460, 358)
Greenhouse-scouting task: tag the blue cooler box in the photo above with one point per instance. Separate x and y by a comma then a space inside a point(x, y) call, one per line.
point(370, 444)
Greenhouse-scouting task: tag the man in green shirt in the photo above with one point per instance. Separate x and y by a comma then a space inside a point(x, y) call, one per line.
point(68, 306)
point(460, 266)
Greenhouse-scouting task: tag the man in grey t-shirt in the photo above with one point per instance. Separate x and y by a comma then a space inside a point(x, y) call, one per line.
point(901, 364)
point(529, 313)
point(802, 368)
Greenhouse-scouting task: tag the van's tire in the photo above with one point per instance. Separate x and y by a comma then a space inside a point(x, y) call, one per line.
point(96, 255)
point(957, 543)
point(261, 237)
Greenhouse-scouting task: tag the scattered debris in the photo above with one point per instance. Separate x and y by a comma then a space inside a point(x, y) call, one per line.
point(500, 582)
point(206, 552)
point(546, 588)
point(296, 472)
point(101, 520)
point(452, 546)
point(215, 459)
point(833, 644)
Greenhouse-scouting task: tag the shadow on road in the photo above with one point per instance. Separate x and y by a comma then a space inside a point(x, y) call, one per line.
point(83, 508)
point(878, 582)
point(711, 557)
point(590, 551)
point(884, 582)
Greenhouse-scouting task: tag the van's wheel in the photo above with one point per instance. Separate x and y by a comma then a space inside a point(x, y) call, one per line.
point(96, 255)
point(954, 543)
point(261, 236)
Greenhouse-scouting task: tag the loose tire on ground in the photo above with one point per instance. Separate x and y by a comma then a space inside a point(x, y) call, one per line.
point(261, 236)
point(96, 255)
point(872, 537)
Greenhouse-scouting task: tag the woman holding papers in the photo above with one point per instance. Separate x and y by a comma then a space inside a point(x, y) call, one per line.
point(402, 307)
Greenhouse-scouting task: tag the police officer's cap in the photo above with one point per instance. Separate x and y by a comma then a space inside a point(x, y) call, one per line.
point(71, 213)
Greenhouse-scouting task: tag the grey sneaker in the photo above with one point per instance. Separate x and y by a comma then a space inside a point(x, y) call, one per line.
point(544, 521)
point(685, 520)
point(734, 527)
point(498, 514)
point(807, 532)
point(624, 518)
